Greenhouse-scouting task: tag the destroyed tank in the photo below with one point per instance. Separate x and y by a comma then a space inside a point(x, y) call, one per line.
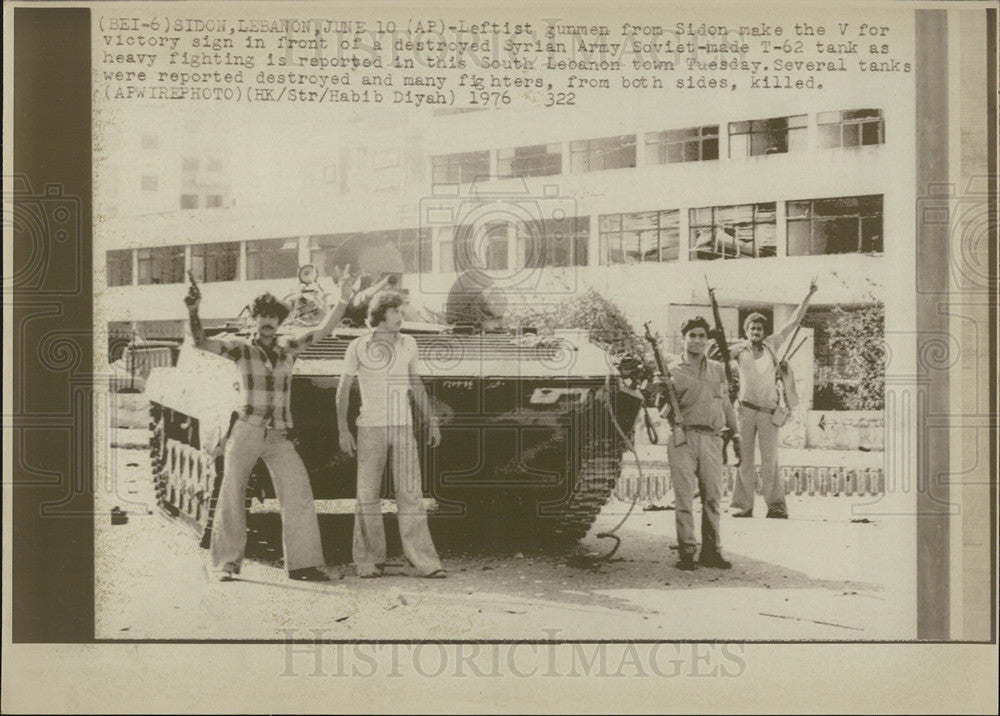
point(531, 425)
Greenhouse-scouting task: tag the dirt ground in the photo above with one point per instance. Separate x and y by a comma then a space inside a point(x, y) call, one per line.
point(823, 574)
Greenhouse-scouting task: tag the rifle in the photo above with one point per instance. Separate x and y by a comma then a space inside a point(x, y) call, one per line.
point(719, 335)
point(675, 405)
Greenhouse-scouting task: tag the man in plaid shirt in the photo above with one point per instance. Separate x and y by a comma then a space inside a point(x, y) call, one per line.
point(265, 363)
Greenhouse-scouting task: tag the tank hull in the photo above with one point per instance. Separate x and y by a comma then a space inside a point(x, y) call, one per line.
point(525, 437)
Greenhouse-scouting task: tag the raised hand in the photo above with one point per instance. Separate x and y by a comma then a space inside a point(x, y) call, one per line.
point(193, 298)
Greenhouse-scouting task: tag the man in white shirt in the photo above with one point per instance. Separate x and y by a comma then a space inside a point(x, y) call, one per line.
point(757, 362)
point(385, 364)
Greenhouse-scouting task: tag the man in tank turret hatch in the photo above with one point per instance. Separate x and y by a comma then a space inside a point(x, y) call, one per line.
point(385, 363)
point(265, 363)
point(474, 301)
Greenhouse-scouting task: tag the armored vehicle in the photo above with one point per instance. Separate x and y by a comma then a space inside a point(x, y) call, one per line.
point(528, 425)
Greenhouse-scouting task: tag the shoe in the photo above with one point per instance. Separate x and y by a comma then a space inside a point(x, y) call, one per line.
point(224, 575)
point(436, 574)
point(309, 574)
point(714, 561)
point(777, 515)
point(742, 514)
point(687, 564)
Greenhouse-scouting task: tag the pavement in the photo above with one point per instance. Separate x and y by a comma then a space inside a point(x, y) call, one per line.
point(827, 573)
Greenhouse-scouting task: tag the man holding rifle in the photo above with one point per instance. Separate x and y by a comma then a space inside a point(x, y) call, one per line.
point(763, 377)
point(699, 411)
point(265, 364)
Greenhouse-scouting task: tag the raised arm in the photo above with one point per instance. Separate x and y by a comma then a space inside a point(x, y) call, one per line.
point(778, 338)
point(193, 301)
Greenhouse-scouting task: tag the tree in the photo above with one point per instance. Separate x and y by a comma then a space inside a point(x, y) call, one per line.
point(590, 311)
point(857, 339)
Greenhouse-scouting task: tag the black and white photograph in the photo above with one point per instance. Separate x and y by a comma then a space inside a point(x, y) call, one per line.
point(539, 326)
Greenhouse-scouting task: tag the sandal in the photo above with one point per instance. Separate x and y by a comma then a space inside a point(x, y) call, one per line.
point(436, 574)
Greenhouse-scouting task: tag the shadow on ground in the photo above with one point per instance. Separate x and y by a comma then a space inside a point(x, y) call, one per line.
point(510, 558)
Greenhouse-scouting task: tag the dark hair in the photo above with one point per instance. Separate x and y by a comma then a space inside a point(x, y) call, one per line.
point(382, 302)
point(267, 305)
point(695, 322)
point(754, 318)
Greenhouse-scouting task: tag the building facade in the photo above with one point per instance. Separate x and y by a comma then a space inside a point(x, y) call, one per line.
point(642, 208)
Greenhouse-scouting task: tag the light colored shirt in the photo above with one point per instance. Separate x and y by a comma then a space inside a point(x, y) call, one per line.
point(757, 376)
point(266, 376)
point(383, 372)
point(701, 390)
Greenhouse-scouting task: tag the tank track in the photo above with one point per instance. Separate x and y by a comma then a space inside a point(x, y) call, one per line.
point(182, 475)
point(158, 457)
point(595, 481)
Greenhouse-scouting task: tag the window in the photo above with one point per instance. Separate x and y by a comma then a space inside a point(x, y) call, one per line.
point(851, 224)
point(119, 265)
point(540, 160)
point(486, 242)
point(213, 201)
point(189, 164)
point(150, 141)
point(496, 246)
point(322, 248)
point(272, 258)
point(732, 232)
point(149, 183)
point(767, 136)
point(851, 128)
point(553, 242)
point(446, 256)
point(214, 164)
point(415, 246)
point(683, 145)
point(640, 236)
point(590, 155)
point(460, 168)
point(215, 262)
point(189, 201)
point(160, 265)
